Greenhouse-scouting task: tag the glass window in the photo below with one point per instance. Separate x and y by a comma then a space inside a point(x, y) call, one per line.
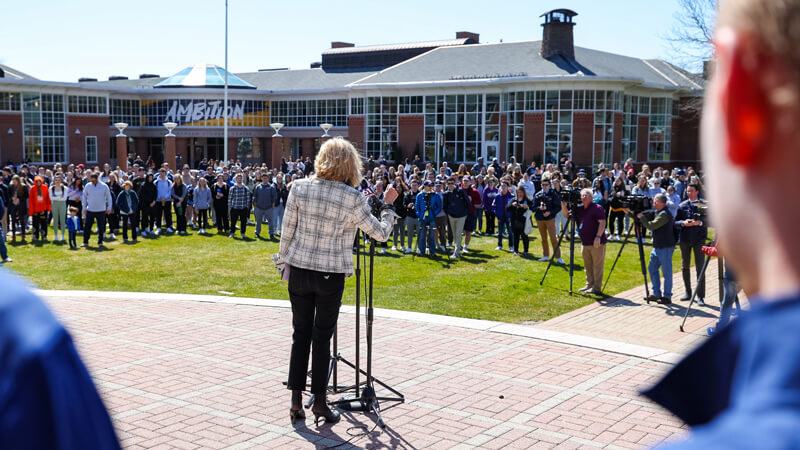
point(91, 149)
point(10, 101)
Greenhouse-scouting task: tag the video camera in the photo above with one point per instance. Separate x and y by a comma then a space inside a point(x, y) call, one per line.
point(701, 211)
point(571, 196)
point(637, 203)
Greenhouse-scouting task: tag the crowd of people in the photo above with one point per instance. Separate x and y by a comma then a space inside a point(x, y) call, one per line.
point(440, 208)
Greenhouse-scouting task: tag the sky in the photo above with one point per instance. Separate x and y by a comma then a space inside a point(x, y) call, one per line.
point(65, 40)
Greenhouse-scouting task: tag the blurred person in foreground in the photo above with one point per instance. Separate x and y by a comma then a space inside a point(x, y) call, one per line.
point(749, 126)
point(322, 216)
point(47, 398)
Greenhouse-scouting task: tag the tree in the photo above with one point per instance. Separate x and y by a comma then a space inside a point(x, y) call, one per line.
point(690, 36)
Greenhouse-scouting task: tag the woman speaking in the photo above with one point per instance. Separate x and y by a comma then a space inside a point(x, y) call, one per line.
point(321, 218)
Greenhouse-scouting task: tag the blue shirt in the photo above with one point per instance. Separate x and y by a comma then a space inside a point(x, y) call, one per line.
point(751, 394)
point(47, 398)
point(163, 189)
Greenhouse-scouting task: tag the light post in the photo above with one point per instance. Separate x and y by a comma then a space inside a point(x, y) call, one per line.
point(325, 127)
point(437, 147)
point(277, 127)
point(225, 91)
point(121, 126)
point(170, 126)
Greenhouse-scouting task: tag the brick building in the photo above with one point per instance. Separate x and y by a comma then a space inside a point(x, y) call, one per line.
point(452, 100)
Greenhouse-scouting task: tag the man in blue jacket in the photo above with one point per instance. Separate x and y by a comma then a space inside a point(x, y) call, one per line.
point(427, 206)
point(456, 205)
point(47, 398)
point(749, 130)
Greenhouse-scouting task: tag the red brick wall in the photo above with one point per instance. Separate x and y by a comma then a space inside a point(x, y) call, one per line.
point(355, 132)
point(410, 134)
point(307, 147)
point(686, 139)
point(10, 144)
point(582, 138)
point(89, 126)
point(533, 143)
point(617, 151)
point(642, 138)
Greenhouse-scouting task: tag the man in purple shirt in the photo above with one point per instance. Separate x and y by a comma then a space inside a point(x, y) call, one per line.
point(591, 221)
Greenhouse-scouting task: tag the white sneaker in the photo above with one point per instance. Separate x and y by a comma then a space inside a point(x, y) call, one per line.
point(465, 250)
point(112, 236)
point(8, 260)
point(454, 256)
point(383, 251)
point(408, 250)
point(202, 231)
point(515, 253)
point(498, 248)
point(560, 261)
point(157, 232)
point(230, 235)
point(544, 259)
point(170, 230)
point(394, 248)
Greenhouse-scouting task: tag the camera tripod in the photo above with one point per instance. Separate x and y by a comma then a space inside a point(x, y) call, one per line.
point(364, 398)
point(720, 289)
point(636, 225)
point(571, 228)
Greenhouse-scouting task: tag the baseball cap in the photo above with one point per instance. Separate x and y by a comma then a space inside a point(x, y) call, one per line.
point(428, 183)
point(582, 171)
point(681, 172)
point(438, 182)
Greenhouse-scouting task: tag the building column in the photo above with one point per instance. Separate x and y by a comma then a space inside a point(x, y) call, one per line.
point(643, 137)
point(307, 148)
point(582, 138)
point(277, 152)
point(169, 151)
point(410, 137)
point(533, 140)
point(122, 152)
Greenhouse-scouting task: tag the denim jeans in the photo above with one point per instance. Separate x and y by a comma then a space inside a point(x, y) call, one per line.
point(661, 258)
point(427, 230)
point(731, 289)
point(412, 229)
point(501, 226)
point(3, 249)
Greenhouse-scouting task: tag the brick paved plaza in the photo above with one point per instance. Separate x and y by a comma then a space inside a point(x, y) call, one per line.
point(206, 372)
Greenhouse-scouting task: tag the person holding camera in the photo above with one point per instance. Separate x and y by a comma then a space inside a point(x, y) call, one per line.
point(546, 205)
point(591, 221)
point(427, 206)
point(661, 224)
point(693, 233)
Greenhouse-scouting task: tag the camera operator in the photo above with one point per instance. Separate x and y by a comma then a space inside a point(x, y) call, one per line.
point(692, 236)
point(427, 206)
point(591, 220)
point(663, 247)
point(546, 205)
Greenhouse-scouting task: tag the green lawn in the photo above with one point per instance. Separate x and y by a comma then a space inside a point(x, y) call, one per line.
point(485, 284)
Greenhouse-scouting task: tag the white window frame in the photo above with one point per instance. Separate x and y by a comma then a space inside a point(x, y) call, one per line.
point(86, 149)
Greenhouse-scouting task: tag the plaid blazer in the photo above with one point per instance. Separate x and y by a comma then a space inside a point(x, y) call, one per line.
point(320, 222)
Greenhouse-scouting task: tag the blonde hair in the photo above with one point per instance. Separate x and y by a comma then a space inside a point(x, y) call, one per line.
point(338, 160)
point(177, 177)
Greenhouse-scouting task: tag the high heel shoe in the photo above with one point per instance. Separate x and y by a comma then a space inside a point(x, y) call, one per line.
point(296, 414)
point(323, 411)
point(296, 411)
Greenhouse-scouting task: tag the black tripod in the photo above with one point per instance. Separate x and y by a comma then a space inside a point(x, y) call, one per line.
point(720, 289)
point(365, 398)
point(637, 226)
point(571, 229)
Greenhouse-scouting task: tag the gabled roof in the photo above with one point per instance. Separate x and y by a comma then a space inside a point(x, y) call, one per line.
point(15, 74)
point(523, 59)
point(305, 79)
point(388, 47)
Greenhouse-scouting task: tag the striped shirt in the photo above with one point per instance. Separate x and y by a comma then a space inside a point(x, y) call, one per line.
point(239, 197)
point(320, 224)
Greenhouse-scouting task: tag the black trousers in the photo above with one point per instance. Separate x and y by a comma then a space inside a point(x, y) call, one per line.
point(147, 216)
point(129, 220)
point(241, 215)
point(202, 221)
point(490, 219)
point(73, 241)
point(100, 217)
point(686, 260)
point(222, 218)
point(40, 222)
point(180, 217)
point(519, 233)
point(619, 217)
point(113, 222)
point(316, 298)
point(164, 210)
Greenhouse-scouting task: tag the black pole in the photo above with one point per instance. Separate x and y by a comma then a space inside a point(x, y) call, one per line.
point(370, 312)
point(571, 251)
point(640, 243)
point(622, 247)
point(358, 308)
point(694, 294)
point(557, 247)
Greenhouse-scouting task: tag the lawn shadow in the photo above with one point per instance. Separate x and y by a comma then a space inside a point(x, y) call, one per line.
point(100, 249)
point(477, 256)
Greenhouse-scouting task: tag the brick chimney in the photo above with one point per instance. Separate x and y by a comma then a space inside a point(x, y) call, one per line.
point(339, 44)
point(468, 35)
point(557, 34)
